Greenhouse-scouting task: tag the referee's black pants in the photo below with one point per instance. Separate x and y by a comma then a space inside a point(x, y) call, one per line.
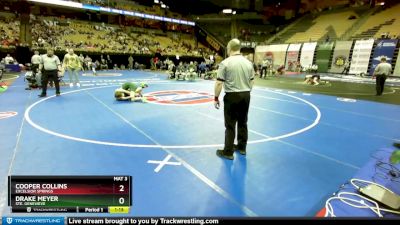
point(50, 75)
point(380, 84)
point(236, 108)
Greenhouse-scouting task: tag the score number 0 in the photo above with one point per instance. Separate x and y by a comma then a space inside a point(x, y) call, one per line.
point(121, 189)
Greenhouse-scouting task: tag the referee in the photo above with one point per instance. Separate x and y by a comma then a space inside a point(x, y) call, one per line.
point(382, 71)
point(50, 66)
point(236, 74)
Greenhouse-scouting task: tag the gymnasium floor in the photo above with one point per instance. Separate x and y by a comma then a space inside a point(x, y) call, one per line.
point(302, 145)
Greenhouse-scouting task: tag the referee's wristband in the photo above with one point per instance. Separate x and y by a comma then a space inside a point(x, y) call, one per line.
point(216, 98)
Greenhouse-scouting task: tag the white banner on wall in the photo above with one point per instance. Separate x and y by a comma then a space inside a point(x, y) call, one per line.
point(275, 53)
point(307, 54)
point(292, 56)
point(397, 67)
point(361, 55)
point(259, 54)
point(340, 56)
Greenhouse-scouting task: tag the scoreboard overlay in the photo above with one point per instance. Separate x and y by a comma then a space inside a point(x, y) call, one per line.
point(74, 194)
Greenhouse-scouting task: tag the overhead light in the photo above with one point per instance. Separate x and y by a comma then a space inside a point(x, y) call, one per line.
point(234, 12)
point(382, 3)
point(227, 11)
point(156, 1)
point(163, 6)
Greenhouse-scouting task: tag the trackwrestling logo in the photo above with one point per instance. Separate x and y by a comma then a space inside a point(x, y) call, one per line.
point(179, 97)
point(33, 220)
point(385, 44)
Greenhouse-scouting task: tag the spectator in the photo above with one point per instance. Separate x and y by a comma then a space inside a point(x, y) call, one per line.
point(130, 62)
point(88, 63)
point(109, 61)
point(72, 64)
point(266, 64)
point(81, 60)
point(103, 63)
point(202, 68)
point(35, 61)
point(346, 67)
point(9, 59)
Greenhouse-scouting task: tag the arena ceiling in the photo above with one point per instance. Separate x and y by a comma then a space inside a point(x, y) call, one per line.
point(199, 7)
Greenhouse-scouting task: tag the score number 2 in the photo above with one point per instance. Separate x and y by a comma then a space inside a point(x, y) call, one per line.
point(122, 199)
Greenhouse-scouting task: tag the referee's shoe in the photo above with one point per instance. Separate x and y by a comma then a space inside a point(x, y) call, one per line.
point(242, 152)
point(221, 153)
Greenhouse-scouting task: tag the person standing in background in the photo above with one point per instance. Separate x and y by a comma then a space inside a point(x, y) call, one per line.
point(72, 64)
point(9, 59)
point(88, 63)
point(35, 60)
point(346, 67)
point(109, 62)
point(81, 60)
point(265, 66)
point(382, 71)
point(130, 62)
point(236, 75)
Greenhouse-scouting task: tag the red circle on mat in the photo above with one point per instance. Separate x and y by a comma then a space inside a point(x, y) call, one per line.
point(178, 97)
point(5, 115)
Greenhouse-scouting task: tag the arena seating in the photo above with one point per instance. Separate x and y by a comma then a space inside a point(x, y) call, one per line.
point(9, 30)
point(97, 37)
point(254, 32)
point(219, 29)
point(333, 20)
point(392, 30)
point(332, 24)
point(385, 21)
point(132, 6)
